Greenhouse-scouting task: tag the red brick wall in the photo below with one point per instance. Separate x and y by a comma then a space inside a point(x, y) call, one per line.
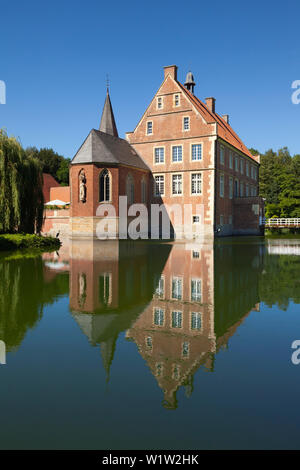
point(60, 192)
point(48, 183)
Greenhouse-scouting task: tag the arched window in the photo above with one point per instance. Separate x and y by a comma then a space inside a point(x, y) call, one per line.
point(130, 189)
point(104, 186)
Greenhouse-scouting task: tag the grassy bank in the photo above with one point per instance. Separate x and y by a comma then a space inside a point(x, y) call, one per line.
point(27, 241)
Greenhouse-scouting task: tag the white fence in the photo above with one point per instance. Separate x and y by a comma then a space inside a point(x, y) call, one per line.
point(283, 222)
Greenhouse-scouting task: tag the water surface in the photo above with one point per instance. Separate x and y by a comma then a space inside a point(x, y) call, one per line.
point(127, 345)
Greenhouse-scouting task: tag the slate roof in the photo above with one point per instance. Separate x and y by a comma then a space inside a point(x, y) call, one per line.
point(108, 123)
point(107, 149)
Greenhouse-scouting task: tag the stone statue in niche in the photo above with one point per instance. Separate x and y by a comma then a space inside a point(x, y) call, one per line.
point(82, 186)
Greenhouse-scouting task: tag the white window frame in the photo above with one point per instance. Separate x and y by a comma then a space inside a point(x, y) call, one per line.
point(161, 100)
point(174, 100)
point(164, 151)
point(183, 123)
point(198, 280)
point(191, 151)
point(178, 161)
point(177, 194)
point(154, 189)
point(177, 278)
point(161, 312)
point(199, 319)
point(191, 183)
point(178, 316)
point(149, 133)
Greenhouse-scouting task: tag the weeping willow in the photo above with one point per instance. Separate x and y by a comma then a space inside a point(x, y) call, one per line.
point(21, 189)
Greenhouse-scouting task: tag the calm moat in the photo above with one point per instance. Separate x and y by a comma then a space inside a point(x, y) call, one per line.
point(151, 345)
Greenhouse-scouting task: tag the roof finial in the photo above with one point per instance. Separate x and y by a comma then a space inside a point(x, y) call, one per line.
point(107, 83)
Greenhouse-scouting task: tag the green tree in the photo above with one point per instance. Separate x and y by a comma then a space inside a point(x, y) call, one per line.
point(52, 163)
point(21, 188)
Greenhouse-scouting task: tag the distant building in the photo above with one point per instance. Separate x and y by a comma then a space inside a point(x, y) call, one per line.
point(181, 152)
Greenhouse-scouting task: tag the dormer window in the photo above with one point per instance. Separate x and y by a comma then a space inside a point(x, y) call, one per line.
point(159, 102)
point(176, 100)
point(186, 123)
point(149, 127)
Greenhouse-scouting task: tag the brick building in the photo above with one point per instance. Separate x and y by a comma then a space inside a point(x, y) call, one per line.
point(181, 153)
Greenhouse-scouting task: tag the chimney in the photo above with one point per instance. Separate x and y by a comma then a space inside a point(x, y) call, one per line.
point(170, 70)
point(210, 103)
point(226, 118)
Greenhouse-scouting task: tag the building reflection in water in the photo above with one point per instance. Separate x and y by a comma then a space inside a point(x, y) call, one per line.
point(178, 302)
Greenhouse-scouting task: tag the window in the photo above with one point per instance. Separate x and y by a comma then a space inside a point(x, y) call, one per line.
point(236, 188)
point(196, 152)
point(176, 184)
point(159, 316)
point(196, 290)
point(196, 321)
point(247, 169)
point(159, 102)
point(230, 160)
point(186, 123)
point(159, 155)
point(130, 189)
point(104, 186)
point(196, 219)
point(230, 220)
point(177, 288)
point(222, 155)
point(148, 341)
point(176, 372)
point(221, 185)
point(236, 163)
point(221, 220)
point(242, 166)
point(160, 290)
point(159, 369)
point(247, 190)
point(177, 153)
point(149, 127)
point(185, 349)
point(230, 187)
point(176, 319)
point(196, 254)
point(105, 289)
point(241, 189)
point(254, 173)
point(144, 191)
point(196, 183)
point(159, 186)
point(176, 100)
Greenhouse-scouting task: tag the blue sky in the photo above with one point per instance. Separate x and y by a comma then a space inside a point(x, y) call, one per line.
point(55, 57)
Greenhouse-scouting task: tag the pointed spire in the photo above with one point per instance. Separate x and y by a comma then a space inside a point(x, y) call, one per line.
point(107, 352)
point(108, 124)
